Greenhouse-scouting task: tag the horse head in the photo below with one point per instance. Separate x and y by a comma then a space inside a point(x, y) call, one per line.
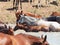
point(35, 40)
point(43, 41)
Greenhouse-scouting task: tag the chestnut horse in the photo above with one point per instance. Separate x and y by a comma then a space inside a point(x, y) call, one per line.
point(55, 14)
point(25, 26)
point(22, 39)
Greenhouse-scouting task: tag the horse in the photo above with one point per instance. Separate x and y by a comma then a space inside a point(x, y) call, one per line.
point(25, 26)
point(53, 26)
point(55, 14)
point(19, 13)
point(22, 39)
point(5, 39)
point(35, 40)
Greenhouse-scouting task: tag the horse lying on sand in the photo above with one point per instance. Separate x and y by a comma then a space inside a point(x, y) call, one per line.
point(55, 16)
point(22, 39)
point(28, 17)
point(33, 24)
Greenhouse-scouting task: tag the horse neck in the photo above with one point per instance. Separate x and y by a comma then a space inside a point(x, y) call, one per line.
point(14, 41)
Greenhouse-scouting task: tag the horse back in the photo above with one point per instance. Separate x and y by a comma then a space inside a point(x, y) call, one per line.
point(55, 14)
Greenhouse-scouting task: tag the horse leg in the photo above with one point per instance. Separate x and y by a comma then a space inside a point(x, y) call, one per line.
point(17, 2)
point(13, 3)
point(16, 28)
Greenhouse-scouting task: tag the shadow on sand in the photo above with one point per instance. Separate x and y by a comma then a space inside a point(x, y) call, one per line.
point(11, 9)
point(4, 0)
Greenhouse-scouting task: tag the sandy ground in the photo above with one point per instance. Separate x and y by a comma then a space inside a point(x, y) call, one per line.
point(6, 15)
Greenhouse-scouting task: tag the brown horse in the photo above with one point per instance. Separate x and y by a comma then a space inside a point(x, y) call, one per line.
point(55, 14)
point(29, 28)
point(22, 39)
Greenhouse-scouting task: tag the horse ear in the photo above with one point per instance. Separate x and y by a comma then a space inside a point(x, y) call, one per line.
point(42, 36)
point(45, 38)
point(11, 31)
point(10, 28)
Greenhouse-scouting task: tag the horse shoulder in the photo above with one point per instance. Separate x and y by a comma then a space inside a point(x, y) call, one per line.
point(5, 39)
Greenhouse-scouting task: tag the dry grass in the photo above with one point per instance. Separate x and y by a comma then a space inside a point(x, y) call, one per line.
point(9, 15)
